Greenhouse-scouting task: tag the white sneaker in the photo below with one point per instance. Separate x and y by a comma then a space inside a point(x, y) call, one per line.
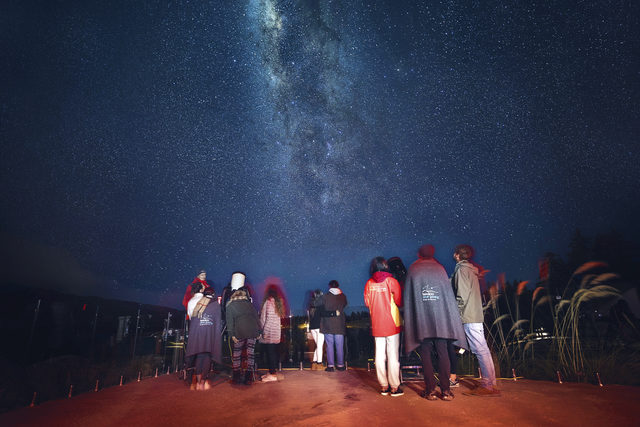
point(268, 378)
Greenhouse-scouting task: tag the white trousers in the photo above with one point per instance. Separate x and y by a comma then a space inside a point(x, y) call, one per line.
point(318, 337)
point(387, 356)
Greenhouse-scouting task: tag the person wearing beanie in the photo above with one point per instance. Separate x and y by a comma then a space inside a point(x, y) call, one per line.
point(243, 328)
point(334, 325)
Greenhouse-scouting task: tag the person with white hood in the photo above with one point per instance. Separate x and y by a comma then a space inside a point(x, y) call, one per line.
point(243, 328)
point(334, 325)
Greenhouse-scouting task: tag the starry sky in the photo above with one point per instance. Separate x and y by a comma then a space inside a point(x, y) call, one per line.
point(296, 140)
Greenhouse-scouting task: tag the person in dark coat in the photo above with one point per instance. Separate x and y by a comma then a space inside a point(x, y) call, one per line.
point(243, 328)
point(205, 333)
point(431, 319)
point(334, 325)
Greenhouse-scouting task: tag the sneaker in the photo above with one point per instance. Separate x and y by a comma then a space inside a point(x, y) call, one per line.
point(447, 395)
point(482, 391)
point(385, 391)
point(341, 368)
point(268, 378)
point(397, 393)
point(432, 395)
point(329, 369)
point(454, 383)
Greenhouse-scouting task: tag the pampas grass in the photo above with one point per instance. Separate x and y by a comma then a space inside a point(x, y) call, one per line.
point(567, 346)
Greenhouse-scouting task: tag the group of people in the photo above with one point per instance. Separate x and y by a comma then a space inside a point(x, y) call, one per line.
point(234, 310)
point(441, 315)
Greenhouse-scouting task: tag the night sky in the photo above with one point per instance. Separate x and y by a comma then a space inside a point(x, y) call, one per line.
point(144, 140)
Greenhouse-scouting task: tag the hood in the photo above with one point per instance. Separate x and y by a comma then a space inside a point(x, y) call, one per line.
point(467, 264)
point(380, 276)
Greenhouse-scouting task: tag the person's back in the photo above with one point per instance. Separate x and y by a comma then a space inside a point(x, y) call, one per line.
point(431, 318)
point(428, 291)
point(378, 292)
point(335, 323)
point(242, 318)
point(467, 288)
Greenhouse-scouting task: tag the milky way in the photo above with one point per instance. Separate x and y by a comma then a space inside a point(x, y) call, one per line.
point(299, 139)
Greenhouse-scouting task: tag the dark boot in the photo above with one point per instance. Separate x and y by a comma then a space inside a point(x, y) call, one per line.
point(237, 375)
point(248, 378)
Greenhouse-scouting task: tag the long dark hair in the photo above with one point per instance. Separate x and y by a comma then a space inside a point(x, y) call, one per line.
point(273, 292)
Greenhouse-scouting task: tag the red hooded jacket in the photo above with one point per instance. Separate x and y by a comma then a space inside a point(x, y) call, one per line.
point(377, 296)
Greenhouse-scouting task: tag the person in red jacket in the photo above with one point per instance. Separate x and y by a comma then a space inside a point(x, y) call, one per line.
point(379, 292)
point(200, 278)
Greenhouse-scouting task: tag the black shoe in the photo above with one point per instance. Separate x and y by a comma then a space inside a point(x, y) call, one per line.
point(329, 369)
point(397, 393)
point(236, 379)
point(341, 368)
point(431, 395)
point(248, 378)
point(385, 392)
point(447, 395)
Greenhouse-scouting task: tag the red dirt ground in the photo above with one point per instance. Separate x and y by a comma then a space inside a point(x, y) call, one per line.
point(318, 398)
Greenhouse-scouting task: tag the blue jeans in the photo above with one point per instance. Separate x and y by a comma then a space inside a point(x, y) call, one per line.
point(479, 347)
point(338, 340)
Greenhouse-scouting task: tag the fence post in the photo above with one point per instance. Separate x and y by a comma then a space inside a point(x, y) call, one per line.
point(135, 336)
point(33, 327)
